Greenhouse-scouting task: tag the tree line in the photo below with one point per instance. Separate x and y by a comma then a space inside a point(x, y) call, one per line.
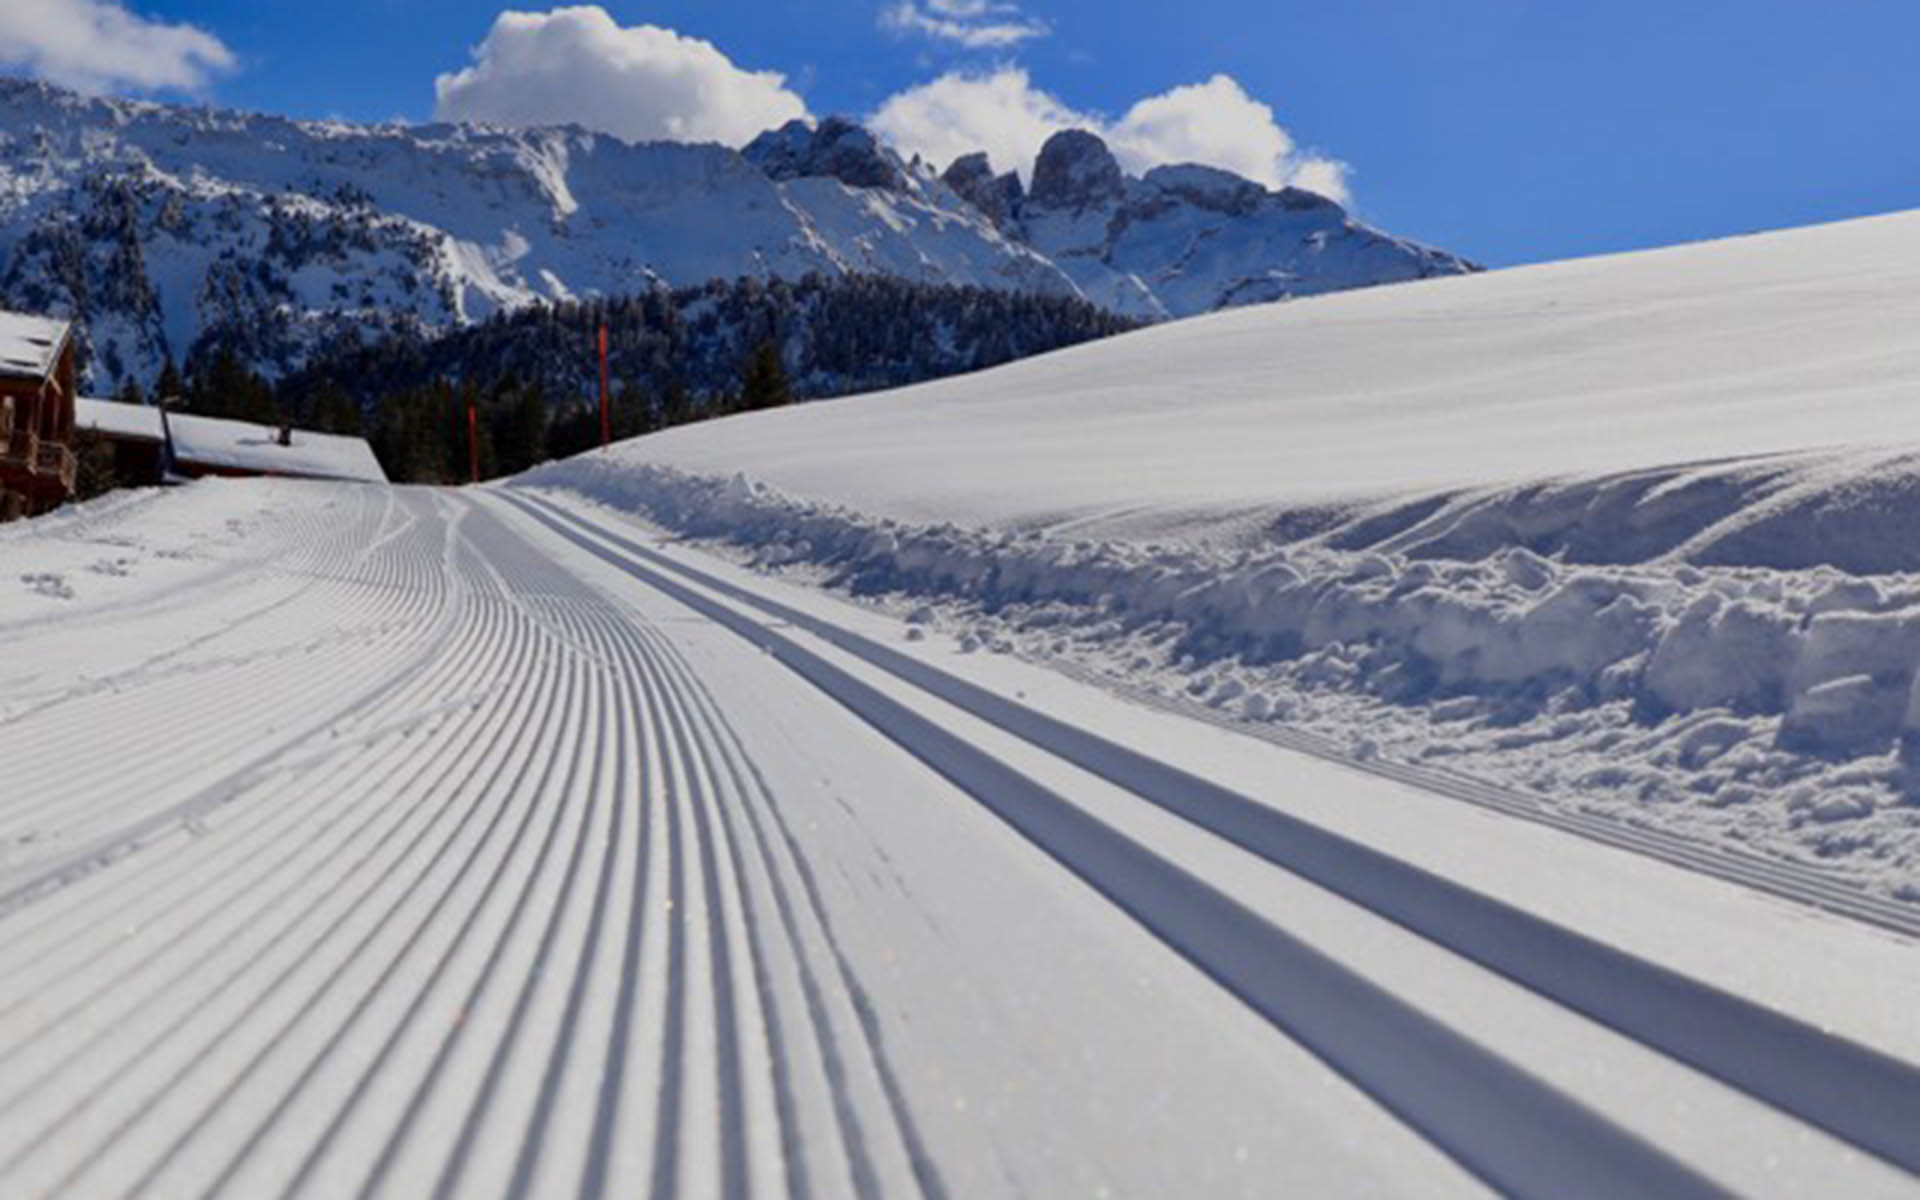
point(531, 376)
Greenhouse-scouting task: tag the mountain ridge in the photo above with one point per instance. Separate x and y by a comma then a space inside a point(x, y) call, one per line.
point(158, 226)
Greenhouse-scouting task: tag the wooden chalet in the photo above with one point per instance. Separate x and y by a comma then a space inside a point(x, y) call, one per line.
point(198, 446)
point(154, 445)
point(135, 433)
point(36, 413)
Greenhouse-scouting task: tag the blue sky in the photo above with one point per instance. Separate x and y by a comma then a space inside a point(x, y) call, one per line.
point(1508, 130)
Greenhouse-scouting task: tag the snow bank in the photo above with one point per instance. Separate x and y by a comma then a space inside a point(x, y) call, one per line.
point(1673, 640)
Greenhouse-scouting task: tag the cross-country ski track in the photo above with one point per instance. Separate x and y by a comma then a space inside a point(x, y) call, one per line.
point(481, 842)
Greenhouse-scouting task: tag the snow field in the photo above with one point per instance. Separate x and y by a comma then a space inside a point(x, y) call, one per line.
point(520, 853)
point(1632, 533)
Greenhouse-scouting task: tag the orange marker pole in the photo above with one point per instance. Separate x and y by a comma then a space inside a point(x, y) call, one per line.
point(606, 426)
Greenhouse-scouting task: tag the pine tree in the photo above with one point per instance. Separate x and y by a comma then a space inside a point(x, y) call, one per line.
point(518, 422)
point(763, 380)
point(676, 405)
point(94, 473)
point(334, 411)
point(633, 410)
point(169, 387)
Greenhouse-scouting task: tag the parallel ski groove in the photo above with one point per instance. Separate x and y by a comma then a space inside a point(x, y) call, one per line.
point(786, 876)
point(484, 642)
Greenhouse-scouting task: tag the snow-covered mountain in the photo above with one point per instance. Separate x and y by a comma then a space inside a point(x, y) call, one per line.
point(1185, 239)
point(156, 224)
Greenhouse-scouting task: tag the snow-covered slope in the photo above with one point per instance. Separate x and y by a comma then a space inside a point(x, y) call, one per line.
point(1747, 346)
point(156, 224)
point(1634, 530)
point(1742, 347)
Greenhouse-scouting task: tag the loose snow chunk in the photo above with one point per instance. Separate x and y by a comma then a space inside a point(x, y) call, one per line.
point(1721, 654)
point(1845, 717)
point(1842, 806)
point(1838, 644)
point(1847, 594)
point(1525, 569)
point(1711, 739)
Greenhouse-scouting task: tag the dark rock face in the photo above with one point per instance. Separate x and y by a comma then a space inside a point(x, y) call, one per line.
point(836, 148)
point(1076, 170)
point(996, 196)
point(1295, 199)
point(1209, 188)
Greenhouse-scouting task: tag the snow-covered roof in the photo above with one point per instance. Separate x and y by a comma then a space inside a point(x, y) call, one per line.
point(243, 446)
point(137, 422)
point(30, 345)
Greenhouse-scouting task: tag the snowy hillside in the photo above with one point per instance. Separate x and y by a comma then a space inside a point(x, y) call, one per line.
point(157, 224)
point(1634, 532)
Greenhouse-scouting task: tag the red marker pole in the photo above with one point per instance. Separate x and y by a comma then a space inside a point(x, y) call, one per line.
point(606, 426)
point(473, 444)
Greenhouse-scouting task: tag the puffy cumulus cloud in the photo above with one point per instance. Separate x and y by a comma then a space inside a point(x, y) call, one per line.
point(1003, 113)
point(1218, 124)
point(1326, 176)
point(974, 24)
point(1000, 112)
point(641, 82)
point(98, 45)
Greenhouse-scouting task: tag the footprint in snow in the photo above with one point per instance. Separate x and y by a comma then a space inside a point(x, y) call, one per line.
point(48, 584)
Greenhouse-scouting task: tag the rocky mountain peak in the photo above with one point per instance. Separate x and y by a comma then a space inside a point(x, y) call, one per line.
point(1076, 170)
point(836, 148)
point(1209, 188)
point(997, 196)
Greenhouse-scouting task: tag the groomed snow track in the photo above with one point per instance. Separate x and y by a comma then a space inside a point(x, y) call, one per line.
point(466, 844)
point(223, 1009)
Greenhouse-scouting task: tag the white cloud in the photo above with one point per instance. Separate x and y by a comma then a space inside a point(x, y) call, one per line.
point(641, 82)
point(1003, 113)
point(974, 24)
point(1326, 176)
point(1000, 112)
point(1217, 123)
point(98, 45)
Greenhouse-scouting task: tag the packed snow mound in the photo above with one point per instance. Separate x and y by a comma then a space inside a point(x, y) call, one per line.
point(1634, 530)
point(1670, 638)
